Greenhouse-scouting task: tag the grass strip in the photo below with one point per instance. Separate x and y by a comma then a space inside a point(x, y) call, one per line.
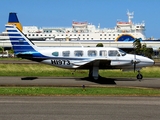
point(47, 70)
point(79, 91)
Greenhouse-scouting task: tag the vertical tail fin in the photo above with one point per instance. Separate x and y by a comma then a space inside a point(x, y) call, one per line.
point(22, 46)
point(13, 20)
point(20, 43)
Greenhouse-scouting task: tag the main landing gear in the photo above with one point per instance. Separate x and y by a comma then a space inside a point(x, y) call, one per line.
point(93, 71)
point(139, 76)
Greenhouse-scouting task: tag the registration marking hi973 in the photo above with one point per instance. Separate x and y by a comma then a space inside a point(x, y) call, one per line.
point(60, 62)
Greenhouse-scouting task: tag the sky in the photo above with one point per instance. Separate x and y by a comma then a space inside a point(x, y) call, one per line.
point(61, 13)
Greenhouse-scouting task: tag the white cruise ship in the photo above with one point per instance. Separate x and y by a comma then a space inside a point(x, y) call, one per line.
point(123, 31)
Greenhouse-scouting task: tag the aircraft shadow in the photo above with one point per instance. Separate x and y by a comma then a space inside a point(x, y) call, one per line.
point(29, 78)
point(101, 80)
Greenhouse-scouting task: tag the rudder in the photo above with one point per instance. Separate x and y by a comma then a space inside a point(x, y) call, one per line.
point(13, 20)
point(18, 40)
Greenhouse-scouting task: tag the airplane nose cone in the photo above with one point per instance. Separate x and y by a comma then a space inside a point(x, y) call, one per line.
point(150, 62)
point(144, 61)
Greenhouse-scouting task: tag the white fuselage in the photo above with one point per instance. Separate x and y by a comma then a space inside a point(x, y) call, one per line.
point(74, 57)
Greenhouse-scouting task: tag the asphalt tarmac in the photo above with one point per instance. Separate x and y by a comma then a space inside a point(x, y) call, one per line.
point(71, 81)
point(79, 108)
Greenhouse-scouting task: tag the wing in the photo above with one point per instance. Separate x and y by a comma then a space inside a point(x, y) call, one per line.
point(101, 63)
point(86, 64)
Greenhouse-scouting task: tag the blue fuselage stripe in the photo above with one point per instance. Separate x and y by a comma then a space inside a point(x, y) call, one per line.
point(19, 43)
point(14, 34)
point(12, 31)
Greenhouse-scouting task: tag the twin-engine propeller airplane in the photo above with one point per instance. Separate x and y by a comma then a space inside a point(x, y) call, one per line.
point(91, 58)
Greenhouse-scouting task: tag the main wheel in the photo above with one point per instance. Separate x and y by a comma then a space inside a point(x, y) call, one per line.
point(139, 76)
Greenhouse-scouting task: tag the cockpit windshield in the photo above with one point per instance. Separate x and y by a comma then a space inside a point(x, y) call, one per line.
point(122, 52)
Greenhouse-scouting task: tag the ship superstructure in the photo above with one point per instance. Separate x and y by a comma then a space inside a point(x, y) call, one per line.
point(123, 31)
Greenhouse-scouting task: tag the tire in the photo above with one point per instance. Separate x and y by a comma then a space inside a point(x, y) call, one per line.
point(139, 76)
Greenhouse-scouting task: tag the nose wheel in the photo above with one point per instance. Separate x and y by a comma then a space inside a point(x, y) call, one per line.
point(139, 76)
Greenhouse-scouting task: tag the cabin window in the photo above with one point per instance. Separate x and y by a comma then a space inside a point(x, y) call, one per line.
point(92, 53)
point(103, 53)
point(113, 53)
point(78, 53)
point(55, 54)
point(65, 53)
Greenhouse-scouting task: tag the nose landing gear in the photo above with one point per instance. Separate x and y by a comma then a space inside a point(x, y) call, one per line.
point(139, 76)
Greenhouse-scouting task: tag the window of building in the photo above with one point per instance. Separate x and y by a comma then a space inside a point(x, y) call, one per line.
point(92, 53)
